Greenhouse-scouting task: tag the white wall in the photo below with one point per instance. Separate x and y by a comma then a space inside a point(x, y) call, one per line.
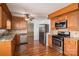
point(30, 27)
point(36, 26)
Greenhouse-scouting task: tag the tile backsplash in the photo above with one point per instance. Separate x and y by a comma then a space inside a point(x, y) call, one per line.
point(74, 33)
point(54, 32)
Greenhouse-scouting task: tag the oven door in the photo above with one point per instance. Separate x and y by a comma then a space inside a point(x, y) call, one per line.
point(56, 42)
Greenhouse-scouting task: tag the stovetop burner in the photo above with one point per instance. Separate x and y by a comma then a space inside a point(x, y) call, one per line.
point(58, 37)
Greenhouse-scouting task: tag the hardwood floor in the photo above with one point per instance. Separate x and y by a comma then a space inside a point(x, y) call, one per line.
point(34, 48)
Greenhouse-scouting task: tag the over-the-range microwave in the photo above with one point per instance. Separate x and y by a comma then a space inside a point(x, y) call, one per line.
point(61, 25)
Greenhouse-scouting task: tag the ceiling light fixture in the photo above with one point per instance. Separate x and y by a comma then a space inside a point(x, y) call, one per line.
point(26, 19)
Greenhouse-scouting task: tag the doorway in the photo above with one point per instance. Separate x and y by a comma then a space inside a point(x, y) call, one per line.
point(30, 32)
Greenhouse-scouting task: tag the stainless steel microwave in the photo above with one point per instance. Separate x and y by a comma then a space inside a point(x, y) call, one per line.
point(61, 25)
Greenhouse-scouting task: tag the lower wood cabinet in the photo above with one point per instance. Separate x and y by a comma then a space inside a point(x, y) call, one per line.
point(7, 47)
point(49, 40)
point(71, 47)
point(17, 38)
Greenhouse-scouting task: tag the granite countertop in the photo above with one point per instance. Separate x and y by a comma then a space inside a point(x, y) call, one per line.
point(7, 37)
point(73, 38)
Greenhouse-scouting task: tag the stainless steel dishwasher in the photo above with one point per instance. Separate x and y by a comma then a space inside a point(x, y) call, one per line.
point(23, 38)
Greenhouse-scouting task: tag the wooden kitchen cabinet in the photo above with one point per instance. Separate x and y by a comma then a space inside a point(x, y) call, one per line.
point(17, 38)
point(67, 9)
point(5, 48)
point(13, 46)
point(5, 15)
point(71, 47)
point(53, 23)
point(72, 19)
point(49, 40)
point(8, 47)
point(19, 22)
point(69, 13)
point(8, 25)
point(2, 19)
point(62, 18)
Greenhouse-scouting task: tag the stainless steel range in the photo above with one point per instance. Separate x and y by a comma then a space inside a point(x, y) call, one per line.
point(58, 41)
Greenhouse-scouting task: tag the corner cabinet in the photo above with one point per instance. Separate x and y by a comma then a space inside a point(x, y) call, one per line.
point(8, 47)
point(1, 16)
point(71, 47)
point(5, 22)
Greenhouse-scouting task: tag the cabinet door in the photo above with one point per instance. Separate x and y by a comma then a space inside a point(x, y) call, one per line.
point(73, 47)
point(72, 20)
point(4, 18)
point(13, 47)
point(0, 17)
point(78, 19)
point(5, 48)
point(70, 47)
point(53, 23)
point(19, 23)
point(49, 40)
point(61, 18)
point(17, 39)
point(66, 47)
point(8, 24)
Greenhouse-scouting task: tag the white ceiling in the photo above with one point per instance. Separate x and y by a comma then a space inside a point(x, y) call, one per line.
point(39, 10)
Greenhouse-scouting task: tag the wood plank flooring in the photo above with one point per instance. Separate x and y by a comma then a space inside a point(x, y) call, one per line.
point(34, 48)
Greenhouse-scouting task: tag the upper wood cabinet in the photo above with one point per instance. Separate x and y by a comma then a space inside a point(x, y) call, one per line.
point(72, 20)
point(5, 22)
point(52, 24)
point(8, 24)
point(6, 9)
point(19, 23)
point(0, 17)
point(4, 17)
point(67, 9)
point(69, 13)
